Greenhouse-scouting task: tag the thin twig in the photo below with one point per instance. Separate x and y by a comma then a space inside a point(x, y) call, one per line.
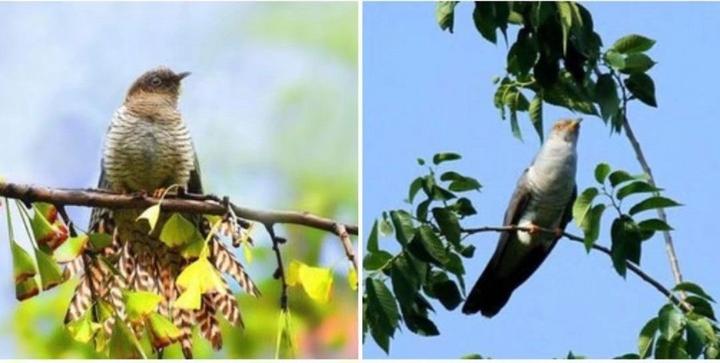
point(631, 266)
point(280, 272)
point(188, 204)
point(669, 245)
point(341, 231)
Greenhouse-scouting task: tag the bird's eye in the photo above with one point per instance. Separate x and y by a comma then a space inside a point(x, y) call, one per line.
point(156, 81)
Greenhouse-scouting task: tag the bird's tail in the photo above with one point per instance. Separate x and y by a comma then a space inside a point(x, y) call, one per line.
point(488, 295)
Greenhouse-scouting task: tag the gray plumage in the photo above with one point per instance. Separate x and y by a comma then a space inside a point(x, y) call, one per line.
point(543, 197)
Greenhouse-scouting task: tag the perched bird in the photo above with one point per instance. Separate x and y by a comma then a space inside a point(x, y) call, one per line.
point(543, 197)
point(148, 149)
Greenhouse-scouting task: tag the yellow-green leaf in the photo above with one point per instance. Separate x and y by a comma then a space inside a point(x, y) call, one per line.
point(190, 298)
point(193, 248)
point(151, 215)
point(83, 329)
point(72, 248)
point(352, 278)
point(50, 273)
point(23, 265)
point(292, 275)
point(98, 241)
point(162, 331)
point(26, 289)
point(46, 232)
point(247, 252)
point(123, 343)
point(139, 304)
point(178, 231)
point(317, 282)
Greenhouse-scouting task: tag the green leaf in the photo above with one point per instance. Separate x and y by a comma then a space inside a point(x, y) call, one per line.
point(99, 241)
point(23, 264)
point(432, 244)
point(670, 321)
point(72, 248)
point(382, 312)
point(696, 337)
point(445, 14)
point(422, 208)
point(566, 21)
point(618, 177)
point(693, 289)
point(583, 204)
point(50, 273)
point(701, 307)
point(151, 215)
point(662, 348)
point(637, 63)
point(606, 96)
point(591, 226)
point(404, 230)
point(415, 186)
point(460, 183)
point(632, 43)
point(638, 186)
point(677, 349)
point(26, 289)
point(522, 54)
point(83, 329)
point(647, 336)
point(642, 87)
point(653, 203)
point(372, 243)
point(485, 21)
point(123, 343)
point(139, 304)
point(443, 157)
point(535, 111)
point(448, 223)
point(376, 259)
point(601, 172)
point(514, 125)
point(385, 228)
point(445, 290)
point(654, 224)
point(162, 331)
point(464, 207)
point(615, 59)
point(178, 231)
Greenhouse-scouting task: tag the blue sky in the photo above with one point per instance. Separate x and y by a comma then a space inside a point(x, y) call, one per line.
point(427, 91)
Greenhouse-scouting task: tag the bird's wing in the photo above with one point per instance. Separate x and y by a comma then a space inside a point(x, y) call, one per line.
point(195, 182)
point(516, 208)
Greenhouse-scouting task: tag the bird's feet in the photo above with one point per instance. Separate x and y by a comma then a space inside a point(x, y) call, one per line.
point(559, 232)
point(533, 229)
point(159, 193)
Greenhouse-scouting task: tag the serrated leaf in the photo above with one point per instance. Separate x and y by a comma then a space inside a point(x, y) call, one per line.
point(693, 288)
point(372, 242)
point(606, 96)
point(382, 298)
point(432, 244)
point(404, 229)
point(23, 264)
point(138, 304)
point(443, 157)
point(583, 204)
point(50, 273)
point(670, 321)
point(638, 186)
point(151, 215)
point(647, 336)
point(375, 260)
point(72, 248)
point(162, 331)
point(445, 290)
point(642, 87)
point(632, 43)
point(178, 231)
point(601, 172)
point(653, 203)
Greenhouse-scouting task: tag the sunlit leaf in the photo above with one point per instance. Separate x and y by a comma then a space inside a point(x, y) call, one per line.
point(352, 278)
point(190, 299)
point(151, 215)
point(138, 304)
point(444, 14)
point(123, 343)
point(292, 274)
point(317, 282)
point(582, 205)
point(178, 231)
point(26, 288)
point(50, 273)
point(653, 203)
point(83, 329)
point(670, 321)
point(601, 172)
point(632, 43)
point(693, 288)
point(162, 331)
point(72, 248)
point(23, 264)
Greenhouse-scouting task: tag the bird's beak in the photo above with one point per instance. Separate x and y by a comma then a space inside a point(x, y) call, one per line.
point(182, 75)
point(576, 124)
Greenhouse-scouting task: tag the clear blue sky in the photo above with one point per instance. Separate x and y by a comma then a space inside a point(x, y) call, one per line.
point(427, 91)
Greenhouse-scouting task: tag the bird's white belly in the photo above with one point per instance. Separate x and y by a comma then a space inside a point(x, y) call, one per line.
point(541, 216)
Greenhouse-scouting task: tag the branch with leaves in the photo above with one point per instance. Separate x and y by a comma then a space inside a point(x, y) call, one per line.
point(56, 244)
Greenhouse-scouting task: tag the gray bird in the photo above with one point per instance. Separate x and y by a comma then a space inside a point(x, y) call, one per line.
point(148, 149)
point(543, 197)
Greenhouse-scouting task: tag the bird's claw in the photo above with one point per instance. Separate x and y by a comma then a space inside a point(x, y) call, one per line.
point(559, 232)
point(533, 229)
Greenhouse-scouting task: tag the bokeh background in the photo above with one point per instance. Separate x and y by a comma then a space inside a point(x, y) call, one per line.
point(271, 105)
point(427, 91)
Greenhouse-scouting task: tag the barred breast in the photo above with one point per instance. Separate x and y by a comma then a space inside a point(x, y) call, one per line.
point(147, 153)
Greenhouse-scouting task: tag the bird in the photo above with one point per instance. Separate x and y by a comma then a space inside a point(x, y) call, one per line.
point(543, 199)
point(148, 149)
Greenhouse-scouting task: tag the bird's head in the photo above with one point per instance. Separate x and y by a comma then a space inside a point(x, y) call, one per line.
point(160, 84)
point(566, 130)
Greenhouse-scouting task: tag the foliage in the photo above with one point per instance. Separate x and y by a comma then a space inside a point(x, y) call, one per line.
point(557, 58)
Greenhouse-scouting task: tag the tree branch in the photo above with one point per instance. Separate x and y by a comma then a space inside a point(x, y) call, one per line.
point(631, 266)
point(341, 231)
point(188, 203)
point(669, 245)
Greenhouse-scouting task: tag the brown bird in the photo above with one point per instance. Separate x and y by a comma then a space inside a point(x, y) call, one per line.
point(149, 149)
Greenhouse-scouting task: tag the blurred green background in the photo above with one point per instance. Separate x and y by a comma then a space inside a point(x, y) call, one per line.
point(271, 105)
